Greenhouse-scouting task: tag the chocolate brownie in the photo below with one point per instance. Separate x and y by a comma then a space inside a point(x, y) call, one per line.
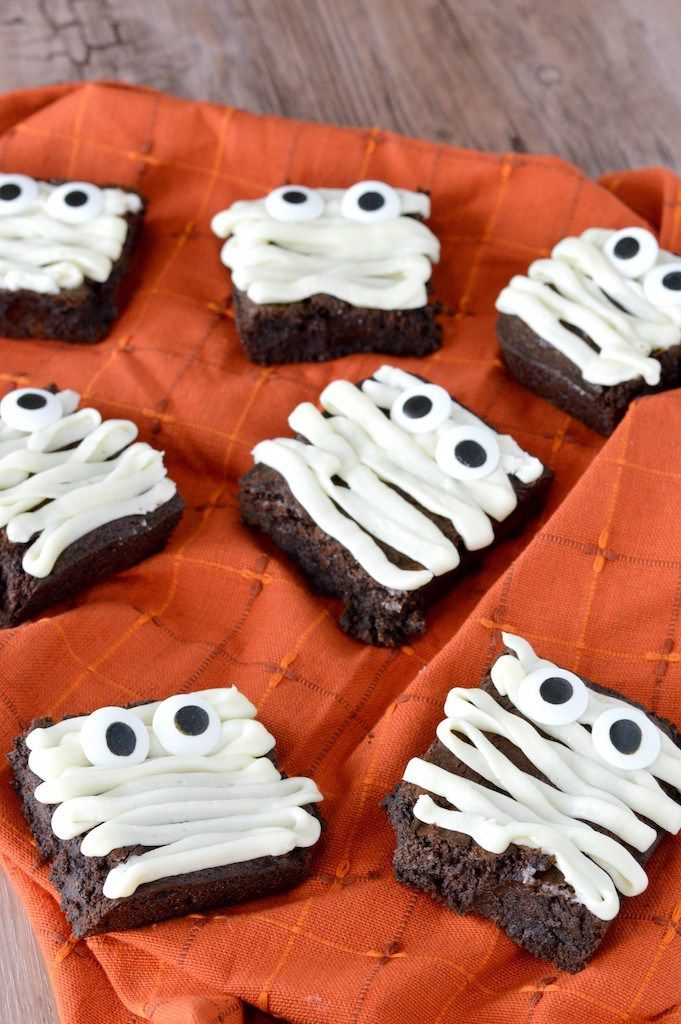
point(213, 877)
point(375, 611)
point(520, 886)
point(323, 273)
point(80, 500)
point(57, 296)
point(597, 325)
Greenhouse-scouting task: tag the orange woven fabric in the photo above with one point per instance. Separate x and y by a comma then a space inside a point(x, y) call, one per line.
point(595, 584)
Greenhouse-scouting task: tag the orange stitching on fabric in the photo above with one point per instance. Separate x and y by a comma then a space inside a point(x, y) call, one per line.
point(76, 137)
point(668, 936)
point(288, 658)
point(559, 436)
point(65, 950)
point(247, 574)
point(263, 997)
point(369, 150)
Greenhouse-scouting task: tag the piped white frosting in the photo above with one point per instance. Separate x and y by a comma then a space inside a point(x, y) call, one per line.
point(193, 812)
point(382, 265)
point(554, 816)
point(360, 446)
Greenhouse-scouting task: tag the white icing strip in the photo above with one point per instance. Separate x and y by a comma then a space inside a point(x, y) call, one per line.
point(345, 479)
point(60, 482)
point(554, 815)
point(381, 266)
point(45, 255)
point(579, 286)
point(194, 812)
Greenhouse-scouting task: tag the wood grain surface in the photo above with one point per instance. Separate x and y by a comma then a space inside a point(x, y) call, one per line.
point(594, 82)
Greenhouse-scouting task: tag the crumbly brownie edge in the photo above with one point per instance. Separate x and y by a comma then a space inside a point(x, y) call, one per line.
point(79, 880)
point(521, 890)
point(546, 371)
point(323, 327)
point(81, 316)
point(98, 555)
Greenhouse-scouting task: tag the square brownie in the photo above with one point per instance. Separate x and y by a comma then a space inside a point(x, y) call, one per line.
point(322, 273)
point(376, 510)
point(65, 248)
point(163, 809)
point(522, 792)
point(80, 500)
point(597, 325)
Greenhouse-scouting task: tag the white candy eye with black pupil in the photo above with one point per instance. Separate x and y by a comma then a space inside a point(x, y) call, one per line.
point(17, 193)
point(626, 738)
point(114, 736)
point(552, 696)
point(371, 202)
point(294, 203)
point(467, 453)
point(421, 408)
point(75, 202)
point(29, 409)
point(632, 251)
point(187, 726)
point(662, 284)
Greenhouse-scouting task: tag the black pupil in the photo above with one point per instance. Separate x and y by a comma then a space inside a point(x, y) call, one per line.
point(416, 407)
point(75, 198)
point(626, 248)
point(625, 736)
point(471, 454)
point(294, 197)
point(191, 720)
point(9, 191)
point(31, 400)
point(672, 281)
point(555, 690)
point(121, 739)
point(371, 201)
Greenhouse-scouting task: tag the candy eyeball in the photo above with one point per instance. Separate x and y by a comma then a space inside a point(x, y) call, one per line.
point(29, 409)
point(626, 738)
point(75, 202)
point(114, 737)
point(467, 453)
point(17, 193)
point(187, 725)
point(552, 696)
point(632, 251)
point(294, 203)
point(662, 284)
point(371, 202)
point(421, 408)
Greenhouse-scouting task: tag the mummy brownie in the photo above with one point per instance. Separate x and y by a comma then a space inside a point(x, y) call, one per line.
point(597, 325)
point(162, 809)
point(538, 804)
point(80, 499)
point(320, 273)
point(398, 489)
point(64, 248)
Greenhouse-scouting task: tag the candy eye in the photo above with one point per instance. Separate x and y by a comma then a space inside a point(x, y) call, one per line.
point(552, 696)
point(187, 725)
point(421, 408)
point(626, 738)
point(632, 251)
point(467, 453)
point(29, 409)
point(114, 736)
point(371, 202)
point(294, 203)
point(75, 202)
point(17, 193)
point(662, 285)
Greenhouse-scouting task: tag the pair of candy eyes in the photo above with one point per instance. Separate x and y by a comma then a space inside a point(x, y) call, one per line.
point(623, 737)
point(634, 252)
point(185, 726)
point(75, 202)
point(366, 202)
point(463, 452)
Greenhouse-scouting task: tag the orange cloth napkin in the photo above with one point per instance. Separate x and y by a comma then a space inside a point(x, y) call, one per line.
point(595, 584)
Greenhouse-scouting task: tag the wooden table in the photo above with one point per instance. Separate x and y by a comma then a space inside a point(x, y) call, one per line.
point(596, 83)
